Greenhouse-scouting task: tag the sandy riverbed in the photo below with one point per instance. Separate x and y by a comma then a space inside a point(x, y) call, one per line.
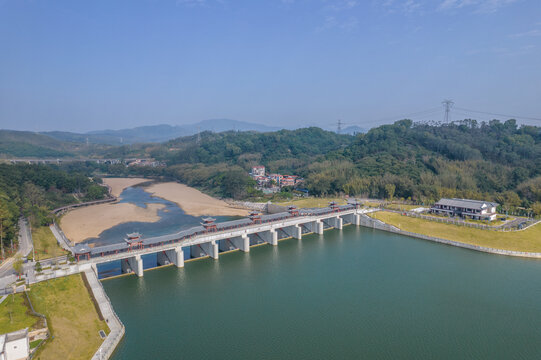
point(88, 222)
point(193, 201)
point(119, 184)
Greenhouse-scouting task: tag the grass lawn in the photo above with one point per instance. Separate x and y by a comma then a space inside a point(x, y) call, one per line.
point(15, 314)
point(35, 343)
point(45, 244)
point(525, 240)
point(311, 202)
point(400, 207)
point(71, 316)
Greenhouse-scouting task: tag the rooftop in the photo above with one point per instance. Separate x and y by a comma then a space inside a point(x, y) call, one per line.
point(81, 249)
point(466, 203)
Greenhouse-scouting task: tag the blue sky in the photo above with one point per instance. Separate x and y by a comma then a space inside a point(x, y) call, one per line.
point(87, 65)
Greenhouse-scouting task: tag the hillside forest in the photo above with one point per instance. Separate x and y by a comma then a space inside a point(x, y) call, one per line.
point(34, 190)
point(497, 161)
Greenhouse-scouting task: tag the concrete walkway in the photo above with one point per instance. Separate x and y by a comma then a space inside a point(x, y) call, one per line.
point(60, 238)
point(115, 325)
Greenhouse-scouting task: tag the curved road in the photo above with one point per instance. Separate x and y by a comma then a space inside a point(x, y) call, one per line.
point(7, 274)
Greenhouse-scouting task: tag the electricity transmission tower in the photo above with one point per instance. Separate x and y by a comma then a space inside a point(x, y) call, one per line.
point(198, 140)
point(447, 105)
point(339, 124)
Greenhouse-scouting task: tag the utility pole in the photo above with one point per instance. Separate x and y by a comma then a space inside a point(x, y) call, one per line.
point(339, 124)
point(447, 105)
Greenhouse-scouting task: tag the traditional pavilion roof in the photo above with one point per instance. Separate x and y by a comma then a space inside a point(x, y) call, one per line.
point(133, 235)
point(81, 249)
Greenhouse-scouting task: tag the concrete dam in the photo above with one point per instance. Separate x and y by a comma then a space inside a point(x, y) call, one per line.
point(211, 238)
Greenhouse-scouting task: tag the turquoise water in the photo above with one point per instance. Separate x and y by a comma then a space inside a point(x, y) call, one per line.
point(354, 293)
point(172, 219)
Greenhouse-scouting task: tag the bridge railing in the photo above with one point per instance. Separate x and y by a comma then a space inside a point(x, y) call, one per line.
point(209, 236)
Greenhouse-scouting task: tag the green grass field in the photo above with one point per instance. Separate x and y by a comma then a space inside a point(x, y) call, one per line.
point(401, 207)
point(311, 202)
point(15, 314)
point(45, 244)
point(525, 240)
point(71, 316)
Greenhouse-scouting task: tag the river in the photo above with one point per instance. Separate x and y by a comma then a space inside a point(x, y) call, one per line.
point(347, 294)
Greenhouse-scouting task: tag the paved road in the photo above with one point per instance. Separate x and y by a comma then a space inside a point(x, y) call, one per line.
point(7, 274)
point(25, 238)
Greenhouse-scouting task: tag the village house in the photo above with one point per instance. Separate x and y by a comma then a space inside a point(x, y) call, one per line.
point(273, 182)
point(468, 209)
point(258, 170)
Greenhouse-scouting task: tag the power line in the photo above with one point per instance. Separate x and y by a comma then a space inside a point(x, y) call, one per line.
point(401, 117)
point(496, 114)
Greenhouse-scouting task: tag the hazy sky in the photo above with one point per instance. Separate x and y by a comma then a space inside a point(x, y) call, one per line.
point(87, 65)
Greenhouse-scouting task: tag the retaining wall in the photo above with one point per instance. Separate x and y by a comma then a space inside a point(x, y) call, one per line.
point(367, 221)
point(116, 334)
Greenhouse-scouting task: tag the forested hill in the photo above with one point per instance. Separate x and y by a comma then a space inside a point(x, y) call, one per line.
point(494, 160)
point(34, 190)
point(233, 146)
point(21, 144)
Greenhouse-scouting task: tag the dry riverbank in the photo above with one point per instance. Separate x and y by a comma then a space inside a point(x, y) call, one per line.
point(193, 201)
point(118, 185)
point(90, 221)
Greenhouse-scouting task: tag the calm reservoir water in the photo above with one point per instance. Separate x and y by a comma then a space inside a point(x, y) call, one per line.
point(355, 293)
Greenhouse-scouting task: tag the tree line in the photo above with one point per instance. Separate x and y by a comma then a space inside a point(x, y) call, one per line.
point(34, 190)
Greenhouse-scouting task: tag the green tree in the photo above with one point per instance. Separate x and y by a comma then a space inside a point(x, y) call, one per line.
point(389, 191)
point(536, 208)
point(18, 264)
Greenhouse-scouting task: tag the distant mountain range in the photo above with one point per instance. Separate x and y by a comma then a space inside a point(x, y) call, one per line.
point(157, 133)
point(53, 144)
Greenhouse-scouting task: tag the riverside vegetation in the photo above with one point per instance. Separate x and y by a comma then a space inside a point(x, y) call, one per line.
point(494, 160)
point(34, 190)
point(420, 162)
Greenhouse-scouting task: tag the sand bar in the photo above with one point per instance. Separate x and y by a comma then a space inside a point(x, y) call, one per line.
point(193, 201)
point(119, 184)
point(88, 222)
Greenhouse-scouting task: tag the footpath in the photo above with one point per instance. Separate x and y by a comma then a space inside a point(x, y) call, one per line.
point(115, 325)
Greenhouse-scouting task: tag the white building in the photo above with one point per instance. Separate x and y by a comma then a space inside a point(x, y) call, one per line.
point(258, 171)
point(473, 209)
point(14, 345)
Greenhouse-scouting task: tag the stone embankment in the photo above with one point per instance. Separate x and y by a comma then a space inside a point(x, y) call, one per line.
point(261, 207)
point(367, 221)
point(110, 198)
point(116, 327)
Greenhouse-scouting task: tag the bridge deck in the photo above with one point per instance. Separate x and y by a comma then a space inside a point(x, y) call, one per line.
point(198, 235)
